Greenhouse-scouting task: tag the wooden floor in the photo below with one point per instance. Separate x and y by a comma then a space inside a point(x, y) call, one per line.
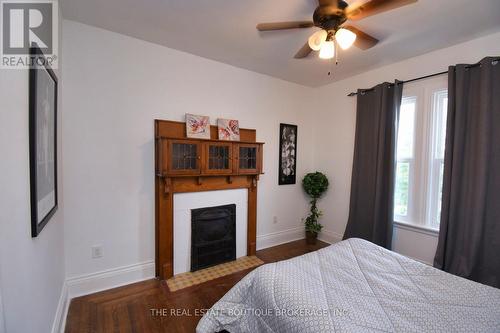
point(139, 307)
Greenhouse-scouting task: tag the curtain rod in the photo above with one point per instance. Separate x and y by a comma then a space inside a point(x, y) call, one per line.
point(426, 76)
point(407, 81)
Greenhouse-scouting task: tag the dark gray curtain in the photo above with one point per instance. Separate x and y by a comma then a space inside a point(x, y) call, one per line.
point(371, 209)
point(469, 236)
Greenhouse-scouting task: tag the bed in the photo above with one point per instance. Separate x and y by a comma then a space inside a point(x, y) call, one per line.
point(354, 286)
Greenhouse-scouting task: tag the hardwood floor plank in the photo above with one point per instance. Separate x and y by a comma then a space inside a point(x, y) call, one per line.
point(149, 306)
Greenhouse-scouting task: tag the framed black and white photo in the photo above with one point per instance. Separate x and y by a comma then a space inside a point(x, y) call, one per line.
point(42, 141)
point(288, 154)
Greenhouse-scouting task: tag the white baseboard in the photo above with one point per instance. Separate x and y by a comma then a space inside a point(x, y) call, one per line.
point(290, 235)
point(111, 278)
point(59, 323)
point(95, 282)
point(280, 237)
point(329, 236)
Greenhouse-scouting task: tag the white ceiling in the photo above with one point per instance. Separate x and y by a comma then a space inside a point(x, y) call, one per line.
point(224, 30)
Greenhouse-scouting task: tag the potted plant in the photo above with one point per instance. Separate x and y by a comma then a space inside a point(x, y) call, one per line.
point(314, 184)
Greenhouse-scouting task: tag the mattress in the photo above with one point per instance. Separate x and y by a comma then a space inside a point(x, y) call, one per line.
point(354, 286)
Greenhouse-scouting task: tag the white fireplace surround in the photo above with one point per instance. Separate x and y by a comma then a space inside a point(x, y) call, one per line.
point(184, 202)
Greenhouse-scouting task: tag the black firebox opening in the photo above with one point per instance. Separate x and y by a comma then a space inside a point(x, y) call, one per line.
point(213, 236)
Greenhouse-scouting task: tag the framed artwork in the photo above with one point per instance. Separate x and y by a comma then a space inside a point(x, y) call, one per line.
point(288, 154)
point(42, 142)
point(229, 129)
point(197, 126)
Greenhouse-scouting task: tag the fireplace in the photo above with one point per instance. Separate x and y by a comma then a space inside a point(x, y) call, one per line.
point(213, 236)
point(173, 254)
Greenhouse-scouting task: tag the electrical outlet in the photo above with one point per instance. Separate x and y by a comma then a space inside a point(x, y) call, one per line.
point(275, 219)
point(96, 251)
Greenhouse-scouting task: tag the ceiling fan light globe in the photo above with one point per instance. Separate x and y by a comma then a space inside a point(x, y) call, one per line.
point(327, 50)
point(345, 38)
point(317, 39)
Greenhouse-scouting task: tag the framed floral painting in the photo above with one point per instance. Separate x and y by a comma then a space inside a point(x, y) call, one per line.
point(197, 126)
point(229, 129)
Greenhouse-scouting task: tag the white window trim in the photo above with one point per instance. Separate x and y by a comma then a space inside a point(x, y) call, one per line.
point(420, 199)
point(417, 228)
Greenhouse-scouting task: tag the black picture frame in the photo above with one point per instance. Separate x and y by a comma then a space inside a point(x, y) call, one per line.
point(42, 140)
point(287, 174)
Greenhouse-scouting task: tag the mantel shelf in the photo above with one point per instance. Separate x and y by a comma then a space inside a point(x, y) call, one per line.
point(212, 140)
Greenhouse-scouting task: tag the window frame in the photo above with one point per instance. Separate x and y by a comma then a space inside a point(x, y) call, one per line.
point(422, 194)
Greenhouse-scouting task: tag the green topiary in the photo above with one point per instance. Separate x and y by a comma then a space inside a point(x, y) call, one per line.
point(314, 184)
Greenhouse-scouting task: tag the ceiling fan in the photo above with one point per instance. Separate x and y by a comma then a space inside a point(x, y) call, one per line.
point(330, 16)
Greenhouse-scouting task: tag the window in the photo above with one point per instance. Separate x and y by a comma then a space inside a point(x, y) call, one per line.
point(420, 153)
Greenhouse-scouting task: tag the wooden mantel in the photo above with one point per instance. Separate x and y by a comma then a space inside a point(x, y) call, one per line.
point(187, 165)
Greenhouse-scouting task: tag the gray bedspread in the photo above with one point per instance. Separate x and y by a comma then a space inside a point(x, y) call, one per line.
point(354, 286)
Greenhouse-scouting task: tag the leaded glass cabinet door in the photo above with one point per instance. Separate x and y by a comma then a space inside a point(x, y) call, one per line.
point(218, 158)
point(184, 157)
point(248, 158)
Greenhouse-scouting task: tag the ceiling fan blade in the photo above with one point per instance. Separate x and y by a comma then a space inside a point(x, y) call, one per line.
point(303, 52)
point(363, 40)
point(360, 9)
point(284, 25)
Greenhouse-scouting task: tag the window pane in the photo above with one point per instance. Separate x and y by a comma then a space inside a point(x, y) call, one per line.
point(406, 128)
point(402, 188)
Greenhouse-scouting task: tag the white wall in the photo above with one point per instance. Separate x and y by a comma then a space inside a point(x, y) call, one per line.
point(114, 87)
point(31, 269)
point(334, 130)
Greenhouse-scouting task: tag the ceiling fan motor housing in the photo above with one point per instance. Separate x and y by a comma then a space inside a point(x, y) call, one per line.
point(330, 17)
